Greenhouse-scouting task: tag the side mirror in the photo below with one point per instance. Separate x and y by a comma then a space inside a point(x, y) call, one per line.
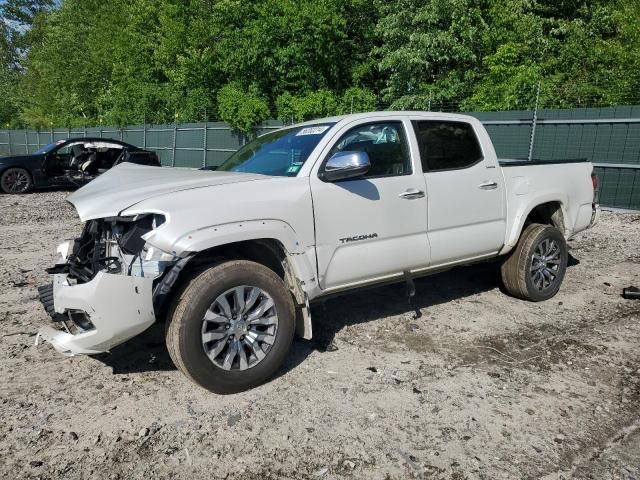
point(344, 165)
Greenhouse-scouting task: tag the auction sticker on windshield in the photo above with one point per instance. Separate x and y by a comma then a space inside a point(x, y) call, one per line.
point(312, 130)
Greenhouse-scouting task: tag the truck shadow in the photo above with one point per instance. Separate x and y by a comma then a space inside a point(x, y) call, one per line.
point(376, 303)
point(335, 314)
point(147, 352)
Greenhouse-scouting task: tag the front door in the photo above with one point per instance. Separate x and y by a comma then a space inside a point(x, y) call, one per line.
point(373, 226)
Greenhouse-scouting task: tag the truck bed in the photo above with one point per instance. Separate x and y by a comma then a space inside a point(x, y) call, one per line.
point(515, 162)
point(531, 183)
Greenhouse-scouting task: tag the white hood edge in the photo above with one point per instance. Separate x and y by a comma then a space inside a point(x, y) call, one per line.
point(128, 184)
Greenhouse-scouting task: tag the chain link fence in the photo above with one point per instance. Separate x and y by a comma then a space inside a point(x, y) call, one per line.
point(609, 137)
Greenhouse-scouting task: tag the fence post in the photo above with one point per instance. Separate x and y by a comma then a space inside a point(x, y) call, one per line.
point(9, 140)
point(173, 145)
point(26, 141)
point(204, 153)
point(430, 94)
point(38, 136)
point(144, 131)
point(51, 133)
point(533, 125)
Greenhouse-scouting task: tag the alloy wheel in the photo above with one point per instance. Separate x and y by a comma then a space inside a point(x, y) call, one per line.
point(15, 180)
point(239, 328)
point(545, 264)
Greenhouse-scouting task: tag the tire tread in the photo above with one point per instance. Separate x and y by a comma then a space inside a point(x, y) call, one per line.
point(186, 298)
point(514, 268)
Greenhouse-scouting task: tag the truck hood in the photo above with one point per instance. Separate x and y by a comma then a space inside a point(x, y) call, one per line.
point(128, 184)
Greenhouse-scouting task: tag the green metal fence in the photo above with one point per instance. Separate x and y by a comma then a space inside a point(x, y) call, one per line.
point(608, 137)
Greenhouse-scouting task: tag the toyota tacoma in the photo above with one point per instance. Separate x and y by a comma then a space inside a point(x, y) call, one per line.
point(231, 258)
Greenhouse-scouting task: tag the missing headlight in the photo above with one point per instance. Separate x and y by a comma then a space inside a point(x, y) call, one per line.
point(110, 244)
point(131, 240)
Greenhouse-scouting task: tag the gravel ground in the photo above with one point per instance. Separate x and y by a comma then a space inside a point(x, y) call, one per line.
point(465, 382)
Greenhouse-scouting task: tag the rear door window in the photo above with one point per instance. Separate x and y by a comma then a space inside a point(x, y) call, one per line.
point(446, 145)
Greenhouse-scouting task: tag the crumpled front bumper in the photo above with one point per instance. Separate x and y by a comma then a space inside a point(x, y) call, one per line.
point(119, 307)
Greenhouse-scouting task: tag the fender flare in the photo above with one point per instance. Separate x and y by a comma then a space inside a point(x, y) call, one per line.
point(299, 270)
point(233, 232)
point(518, 223)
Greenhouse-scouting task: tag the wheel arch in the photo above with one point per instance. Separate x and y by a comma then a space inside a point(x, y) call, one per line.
point(550, 210)
point(268, 251)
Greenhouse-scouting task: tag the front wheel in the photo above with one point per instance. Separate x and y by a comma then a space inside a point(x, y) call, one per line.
point(534, 270)
point(232, 326)
point(15, 180)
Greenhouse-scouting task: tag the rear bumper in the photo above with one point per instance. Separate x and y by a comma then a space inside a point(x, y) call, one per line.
point(117, 307)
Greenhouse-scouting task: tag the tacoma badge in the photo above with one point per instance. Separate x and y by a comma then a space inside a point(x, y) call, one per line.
point(356, 238)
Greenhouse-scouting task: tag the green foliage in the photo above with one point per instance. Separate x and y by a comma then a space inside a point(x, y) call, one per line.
point(356, 100)
point(82, 62)
point(242, 109)
point(583, 54)
point(429, 48)
point(19, 27)
point(324, 103)
point(316, 104)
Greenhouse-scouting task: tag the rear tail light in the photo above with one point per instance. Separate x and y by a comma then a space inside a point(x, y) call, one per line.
point(594, 181)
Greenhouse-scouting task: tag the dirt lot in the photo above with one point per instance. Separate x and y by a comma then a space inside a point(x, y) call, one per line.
point(464, 383)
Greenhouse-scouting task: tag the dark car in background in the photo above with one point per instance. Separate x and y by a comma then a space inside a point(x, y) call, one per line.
point(68, 163)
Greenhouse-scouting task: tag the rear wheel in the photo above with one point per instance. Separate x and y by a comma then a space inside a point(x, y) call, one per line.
point(535, 268)
point(232, 326)
point(16, 181)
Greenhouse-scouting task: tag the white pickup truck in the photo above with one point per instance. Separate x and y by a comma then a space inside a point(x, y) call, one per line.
point(231, 258)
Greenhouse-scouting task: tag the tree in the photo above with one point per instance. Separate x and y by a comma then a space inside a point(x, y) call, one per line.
point(82, 62)
point(582, 53)
point(242, 109)
point(429, 49)
point(17, 32)
point(357, 99)
point(316, 104)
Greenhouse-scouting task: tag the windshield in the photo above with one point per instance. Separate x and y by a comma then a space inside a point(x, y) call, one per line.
point(281, 153)
point(49, 147)
point(46, 148)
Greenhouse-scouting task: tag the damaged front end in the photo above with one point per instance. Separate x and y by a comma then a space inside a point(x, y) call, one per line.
point(107, 284)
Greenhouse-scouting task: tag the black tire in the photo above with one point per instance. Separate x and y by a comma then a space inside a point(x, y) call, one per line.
point(16, 180)
point(185, 319)
point(525, 277)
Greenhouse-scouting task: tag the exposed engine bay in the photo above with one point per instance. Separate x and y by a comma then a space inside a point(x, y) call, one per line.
point(115, 245)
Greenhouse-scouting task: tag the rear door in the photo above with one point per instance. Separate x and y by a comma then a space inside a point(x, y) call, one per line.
point(373, 226)
point(467, 213)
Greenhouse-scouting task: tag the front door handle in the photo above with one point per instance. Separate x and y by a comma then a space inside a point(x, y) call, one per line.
point(488, 186)
point(411, 193)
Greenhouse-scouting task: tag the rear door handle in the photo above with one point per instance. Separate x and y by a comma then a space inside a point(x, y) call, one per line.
point(488, 186)
point(411, 193)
